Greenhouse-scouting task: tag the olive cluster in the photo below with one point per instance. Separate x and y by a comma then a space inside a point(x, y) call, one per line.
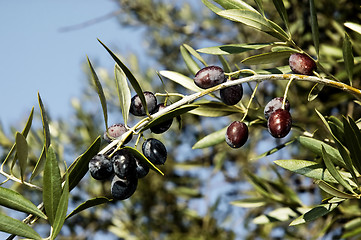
point(279, 120)
point(122, 167)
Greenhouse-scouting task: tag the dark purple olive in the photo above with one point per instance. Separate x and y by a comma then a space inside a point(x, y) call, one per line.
point(300, 63)
point(274, 104)
point(231, 95)
point(164, 126)
point(137, 108)
point(209, 77)
point(122, 189)
point(237, 134)
point(279, 123)
point(155, 151)
point(124, 164)
point(100, 167)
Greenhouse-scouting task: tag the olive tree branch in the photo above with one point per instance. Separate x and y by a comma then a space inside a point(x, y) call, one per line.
point(255, 78)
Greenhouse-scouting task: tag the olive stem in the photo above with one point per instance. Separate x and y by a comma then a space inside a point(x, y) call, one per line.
point(286, 92)
point(250, 101)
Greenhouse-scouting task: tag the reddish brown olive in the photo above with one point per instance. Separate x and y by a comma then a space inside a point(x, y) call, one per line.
point(300, 63)
point(274, 104)
point(279, 123)
point(209, 77)
point(237, 134)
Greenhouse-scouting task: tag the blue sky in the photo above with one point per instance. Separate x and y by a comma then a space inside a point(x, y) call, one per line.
point(35, 55)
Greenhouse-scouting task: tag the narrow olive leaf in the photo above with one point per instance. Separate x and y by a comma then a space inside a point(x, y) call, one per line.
point(334, 172)
point(282, 12)
point(348, 56)
point(169, 115)
point(315, 90)
point(252, 19)
point(181, 80)
point(14, 200)
point(123, 91)
point(314, 27)
point(16, 227)
point(211, 6)
point(225, 64)
point(22, 153)
point(100, 92)
point(337, 131)
point(353, 26)
point(233, 48)
point(193, 52)
point(79, 167)
point(138, 155)
point(45, 122)
point(314, 213)
point(310, 169)
point(235, 4)
point(353, 141)
point(273, 150)
point(260, 6)
point(211, 139)
point(315, 146)
point(88, 204)
point(61, 210)
point(189, 61)
point(323, 120)
point(278, 215)
point(336, 121)
point(265, 58)
point(214, 109)
point(250, 202)
point(133, 81)
point(39, 164)
point(334, 191)
point(51, 185)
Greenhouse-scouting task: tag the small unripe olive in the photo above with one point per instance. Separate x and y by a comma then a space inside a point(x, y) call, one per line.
point(279, 123)
point(300, 63)
point(237, 134)
point(209, 77)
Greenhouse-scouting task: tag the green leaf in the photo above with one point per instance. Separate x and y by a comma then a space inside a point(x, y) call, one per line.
point(225, 64)
point(250, 202)
point(233, 48)
point(189, 61)
point(309, 169)
point(100, 92)
point(214, 109)
point(16, 227)
point(133, 81)
point(123, 92)
point(264, 58)
point(45, 121)
point(253, 19)
point(314, 27)
point(51, 185)
point(88, 204)
point(193, 52)
point(181, 80)
point(277, 215)
point(211, 139)
point(260, 5)
point(314, 213)
point(169, 115)
point(333, 171)
point(315, 146)
point(16, 201)
point(79, 167)
point(273, 150)
point(353, 141)
point(282, 12)
point(61, 210)
point(235, 4)
point(315, 90)
point(39, 164)
point(22, 153)
point(348, 56)
point(354, 26)
point(334, 191)
point(138, 155)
